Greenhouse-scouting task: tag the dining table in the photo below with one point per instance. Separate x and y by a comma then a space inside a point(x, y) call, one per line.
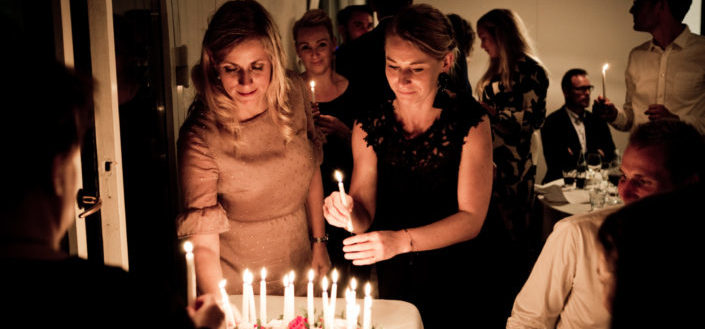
point(559, 201)
point(385, 314)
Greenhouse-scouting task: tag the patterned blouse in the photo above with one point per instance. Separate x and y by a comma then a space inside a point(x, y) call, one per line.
point(518, 111)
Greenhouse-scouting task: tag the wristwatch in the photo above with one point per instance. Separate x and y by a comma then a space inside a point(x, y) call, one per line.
point(320, 239)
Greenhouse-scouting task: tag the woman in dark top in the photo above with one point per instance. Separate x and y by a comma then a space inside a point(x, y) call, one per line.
point(422, 177)
point(315, 46)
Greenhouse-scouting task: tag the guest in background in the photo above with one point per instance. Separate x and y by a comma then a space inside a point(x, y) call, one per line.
point(651, 261)
point(249, 157)
point(45, 287)
point(422, 179)
point(315, 43)
point(563, 290)
point(665, 76)
point(353, 22)
point(362, 61)
point(464, 37)
point(572, 129)
point(513, 90)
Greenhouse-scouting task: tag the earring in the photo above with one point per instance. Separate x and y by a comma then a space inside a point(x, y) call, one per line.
point(442, 99)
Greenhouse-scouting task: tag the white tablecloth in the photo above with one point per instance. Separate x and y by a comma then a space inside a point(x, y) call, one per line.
point(386, 314)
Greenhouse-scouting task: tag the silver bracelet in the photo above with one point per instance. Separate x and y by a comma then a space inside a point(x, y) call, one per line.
point(320, 239)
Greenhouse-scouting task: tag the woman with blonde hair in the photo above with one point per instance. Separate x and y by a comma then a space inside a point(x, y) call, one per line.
point(513, 90)
point(422, 178)
point(334, 113)
point(248, 158)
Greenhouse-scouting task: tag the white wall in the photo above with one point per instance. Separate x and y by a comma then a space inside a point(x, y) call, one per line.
point(567, 34)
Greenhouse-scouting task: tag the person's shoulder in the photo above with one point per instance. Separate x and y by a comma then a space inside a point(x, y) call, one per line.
point(642, 47)
point(200, 121)
point(556, 115)
point(587, 221)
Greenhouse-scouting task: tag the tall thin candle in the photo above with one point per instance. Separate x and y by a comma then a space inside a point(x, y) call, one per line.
point(245, 299)
point(604, 78)
point(333, 291)
point(227, 308)
point(190, 273)
point(309, 298)
point(324, 287)
point(367, 308)
point(341, 188)
point(263, 296)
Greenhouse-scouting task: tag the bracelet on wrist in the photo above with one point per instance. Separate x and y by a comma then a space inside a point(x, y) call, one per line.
point(320, 239)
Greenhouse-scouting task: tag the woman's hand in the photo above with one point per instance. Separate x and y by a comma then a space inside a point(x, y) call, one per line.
point(332, 125)
point(205, 313)
point(372, 247)
point(320, 262)
point(335, 212)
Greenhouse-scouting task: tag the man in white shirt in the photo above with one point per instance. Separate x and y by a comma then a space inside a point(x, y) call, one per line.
point(665, 76)
point(563, 289)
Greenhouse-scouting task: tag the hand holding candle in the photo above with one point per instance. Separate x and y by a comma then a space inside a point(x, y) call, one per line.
point(190, 273)
point(604, 78)
point(341, 189)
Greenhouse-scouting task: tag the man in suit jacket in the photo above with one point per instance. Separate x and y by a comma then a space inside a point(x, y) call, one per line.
point(572, 129)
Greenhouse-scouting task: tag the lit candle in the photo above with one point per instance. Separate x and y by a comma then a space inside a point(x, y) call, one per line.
point(190, 273)
point(333, 292)
point(604, 77)
point(353, 286)
point(313, 91)
point(245, 299)
point(341, 188)
point(286, 297)
point(324, 287)
point(367, 310)
point(252, 316)
point(227, 308)
point(309, 298)
point(349, 308)
point(263, 297)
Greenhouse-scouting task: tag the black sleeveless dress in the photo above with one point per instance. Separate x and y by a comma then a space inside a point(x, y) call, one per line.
point(417, 183)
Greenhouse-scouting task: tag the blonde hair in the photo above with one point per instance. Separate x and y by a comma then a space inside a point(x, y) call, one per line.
point(513, 43)
point(232, 24)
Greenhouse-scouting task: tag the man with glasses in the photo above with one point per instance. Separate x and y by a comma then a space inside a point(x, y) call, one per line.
point(665, 76)
point(572, 129)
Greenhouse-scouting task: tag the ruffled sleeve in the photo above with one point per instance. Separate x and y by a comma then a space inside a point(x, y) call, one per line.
point(198, 175)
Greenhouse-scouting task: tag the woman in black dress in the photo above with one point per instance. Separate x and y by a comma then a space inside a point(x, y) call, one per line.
point(422, 177)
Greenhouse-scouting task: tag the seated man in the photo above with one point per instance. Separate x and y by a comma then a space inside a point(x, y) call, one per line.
point(573, 129)
point(47, 109)
point(563, 290)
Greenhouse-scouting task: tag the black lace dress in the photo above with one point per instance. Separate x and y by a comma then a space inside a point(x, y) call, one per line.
point(417, 183)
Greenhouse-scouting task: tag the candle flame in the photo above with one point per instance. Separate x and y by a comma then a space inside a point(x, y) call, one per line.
point(368, 289)
point(263, 273)
point(324, 283)
point(286, 280)
point(188, 246)
point(311, 274)
point(338, 175)
point(334, 275)
point(221, 284)
point(353, 284)
point(312, 84)
point(292, 275)
point(605, 67)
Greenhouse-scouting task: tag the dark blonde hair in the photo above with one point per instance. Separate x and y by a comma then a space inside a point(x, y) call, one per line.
point(232, 24)
point(314, 18)
point(425, 27)
point(512, 40)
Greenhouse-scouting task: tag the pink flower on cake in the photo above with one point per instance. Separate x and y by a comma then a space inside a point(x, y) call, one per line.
point(298, 323)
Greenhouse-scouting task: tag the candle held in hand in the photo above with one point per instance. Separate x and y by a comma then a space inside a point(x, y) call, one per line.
point(341, 188)
point(313, 91)
point(190, 273)
point(227, 308)
point(604, 78)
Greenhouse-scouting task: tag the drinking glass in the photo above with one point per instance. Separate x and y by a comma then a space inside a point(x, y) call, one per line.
point(594, 162)
point(597, 198)
point(569, 175)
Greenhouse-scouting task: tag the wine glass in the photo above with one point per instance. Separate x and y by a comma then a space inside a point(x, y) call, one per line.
point(594, 162)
